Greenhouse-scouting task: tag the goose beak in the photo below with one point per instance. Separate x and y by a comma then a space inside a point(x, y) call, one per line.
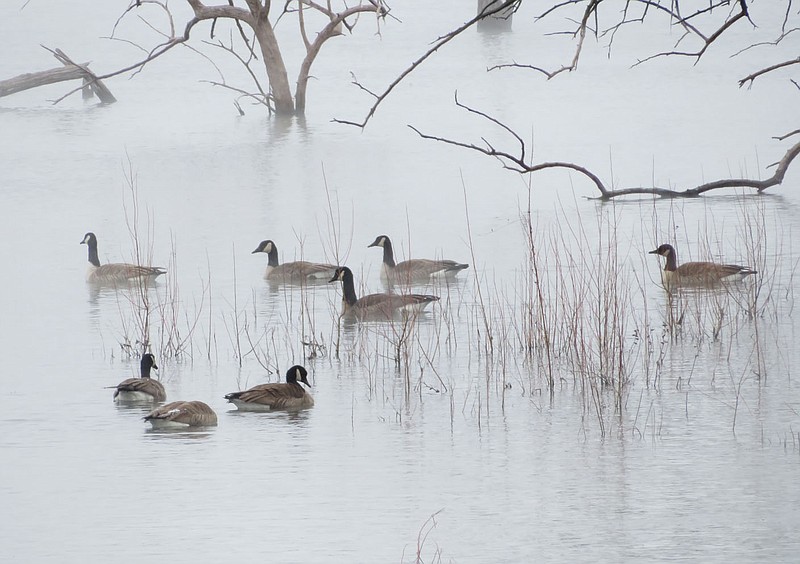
point(334, 279)
point(83, 242)
point(653, 252)
point(256, 251)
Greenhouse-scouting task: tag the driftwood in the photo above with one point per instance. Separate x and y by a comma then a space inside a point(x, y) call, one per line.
point(69, 71)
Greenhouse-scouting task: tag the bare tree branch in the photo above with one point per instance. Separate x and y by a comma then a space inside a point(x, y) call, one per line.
point(782, 137)
point(262, 96)
point(752, 77)
point(517, 162)
point(707, 41)
point(493, 8)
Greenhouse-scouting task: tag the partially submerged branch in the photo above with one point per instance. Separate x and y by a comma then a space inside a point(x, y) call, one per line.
point(70, 71)
point(518, 163)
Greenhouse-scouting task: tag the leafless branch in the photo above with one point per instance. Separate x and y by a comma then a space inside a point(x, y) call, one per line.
point(781, 37)
point(707, 41)
point(493, 8)
point(752, 77)
point(782, 137)
point(229, 49)
point(517, 162)
point(261, 98)
point(548, 74)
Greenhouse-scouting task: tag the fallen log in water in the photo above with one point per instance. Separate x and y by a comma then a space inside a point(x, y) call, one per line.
point(70, 71)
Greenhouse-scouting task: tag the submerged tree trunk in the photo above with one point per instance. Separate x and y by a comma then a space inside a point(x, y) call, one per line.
point(276, 69)
point(500, 21)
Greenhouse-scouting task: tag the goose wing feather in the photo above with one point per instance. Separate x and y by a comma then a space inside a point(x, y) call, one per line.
point(274, 395)
point(711, 270)
point(388, 303)
point(124, 271)
point(427, 267)
point(300, 269)
point(143, 385)
point(192, 413)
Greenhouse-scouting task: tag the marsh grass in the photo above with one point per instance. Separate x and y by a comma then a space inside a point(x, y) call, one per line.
point(584, 315)
point(153, 316)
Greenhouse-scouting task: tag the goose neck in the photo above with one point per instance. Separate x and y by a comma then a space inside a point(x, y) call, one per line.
point(349, 289)
point(672, 262)
point(93, 259)
point(388, 253)
point(272, 257)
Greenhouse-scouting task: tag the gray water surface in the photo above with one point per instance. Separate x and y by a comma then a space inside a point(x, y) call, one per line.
point(695, 459)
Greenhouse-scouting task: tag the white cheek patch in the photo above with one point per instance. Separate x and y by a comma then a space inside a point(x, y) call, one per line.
point(298, 375)
point(268, 248)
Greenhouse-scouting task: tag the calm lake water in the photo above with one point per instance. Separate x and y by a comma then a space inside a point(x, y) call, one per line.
point(671, 430)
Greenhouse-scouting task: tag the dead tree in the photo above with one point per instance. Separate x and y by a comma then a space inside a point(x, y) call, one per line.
point(253, 24)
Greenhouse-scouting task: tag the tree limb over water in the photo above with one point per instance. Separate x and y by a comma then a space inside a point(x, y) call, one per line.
point(491, 9)
point(606, 25)
point(70, 70)
point(255, 29)
point(701, 25)
point(517, 160)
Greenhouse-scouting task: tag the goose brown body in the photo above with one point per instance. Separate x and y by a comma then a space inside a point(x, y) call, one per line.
point(298, 271)
point(181, 414)
point(266, 397)
point(115, 273)
point(377, 305)
point(697, 273)
point(143, 388)
point(413, 270)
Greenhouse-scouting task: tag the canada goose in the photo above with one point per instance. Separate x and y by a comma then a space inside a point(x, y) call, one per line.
point(380, 305)
point(266, 397)
point(413, 270)
point(292, 271)
point(143, 388)
point(115, 272)
point(697, 273)
point(182, 414)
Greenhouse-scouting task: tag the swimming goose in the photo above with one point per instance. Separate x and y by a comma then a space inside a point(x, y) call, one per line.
point(143, 388)
point(296, 271)
point(697, 273)
point(182, 414)
point(115, 272)
point(412, 270)
point(380, 305)
point(266, 397)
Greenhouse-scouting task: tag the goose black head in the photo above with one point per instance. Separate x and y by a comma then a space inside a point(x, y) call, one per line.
point(340, 274)
point(148, 361)
point(380, 241)
point(297, 374)
point(264, 247)
point(664, 250)
point(89, 239)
